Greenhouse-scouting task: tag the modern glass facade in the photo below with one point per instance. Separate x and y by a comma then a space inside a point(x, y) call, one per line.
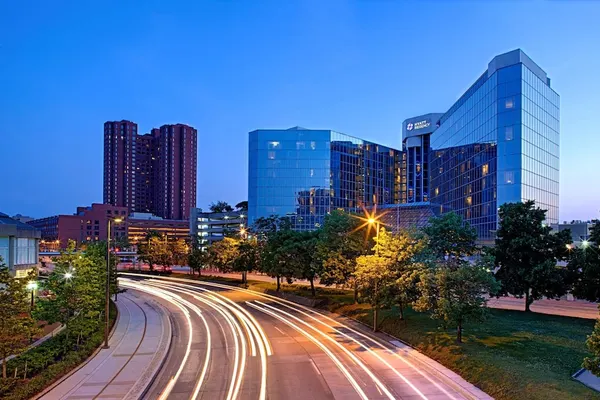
point(304, 174)
point(498, 143)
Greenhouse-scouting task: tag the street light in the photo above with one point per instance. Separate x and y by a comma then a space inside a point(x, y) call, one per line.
point(107, 299)
point(32, 285)
point(585, 244)
point(373, 221)
point(68, 275)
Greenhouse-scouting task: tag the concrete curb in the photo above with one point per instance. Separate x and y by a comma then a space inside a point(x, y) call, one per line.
point(83, 364)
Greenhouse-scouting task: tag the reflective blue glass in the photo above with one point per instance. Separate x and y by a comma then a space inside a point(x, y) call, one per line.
point(499, 143)
point(304, 174)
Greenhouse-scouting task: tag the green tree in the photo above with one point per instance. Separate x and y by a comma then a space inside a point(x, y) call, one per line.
point(450, 237)
point(340, 242)
point(248, 257)
point(242, 206)
point(275, 260)
point(152, 251)
point(223, 254)
point(220, 207)
point(457, 295)
point(96, 251)
point(374, 278)
point(197, 259)
point(176, 254)
point(592, 363)
point(401, 251)
point(527, 252)
point(302, 261)
point(584, 262)
point(16, 324)
point(77, 288)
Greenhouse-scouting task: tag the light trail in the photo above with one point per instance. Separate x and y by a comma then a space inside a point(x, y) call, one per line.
point(252, 326)
point(362, 345)
point(297, 307)
point(350, 354)
point(316, 341)
point(171, 299)
point(240, 362)
point(245, 312)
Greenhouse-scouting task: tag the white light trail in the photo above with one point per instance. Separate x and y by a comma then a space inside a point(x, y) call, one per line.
point(239, 362)
point(316, 341)
point(350, 354)
point(171, 299)
point(251, 325)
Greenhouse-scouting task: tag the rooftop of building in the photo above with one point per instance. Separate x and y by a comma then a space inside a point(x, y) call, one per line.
point(12, 227)
point(330, 131)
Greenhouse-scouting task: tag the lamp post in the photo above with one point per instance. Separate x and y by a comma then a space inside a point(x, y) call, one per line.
point(107, 299)
point(373, 221)
point(32, 285)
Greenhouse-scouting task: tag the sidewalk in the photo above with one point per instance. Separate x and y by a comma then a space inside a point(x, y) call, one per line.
point(574, 308)
point(138, 347)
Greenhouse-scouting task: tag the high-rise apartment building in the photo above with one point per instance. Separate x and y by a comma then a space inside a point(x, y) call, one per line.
point(151, 173)
point(175, 173)
point(120, 139)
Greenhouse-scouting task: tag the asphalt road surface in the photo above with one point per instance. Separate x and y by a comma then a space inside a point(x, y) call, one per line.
point(230, 343)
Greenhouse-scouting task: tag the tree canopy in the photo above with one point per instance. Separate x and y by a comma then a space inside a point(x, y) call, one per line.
point(527, 252)
point(220, 207)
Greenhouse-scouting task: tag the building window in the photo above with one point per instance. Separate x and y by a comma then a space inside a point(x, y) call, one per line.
point(509, 177)
point(484, 169)
point(508, 133)
point(509, 103)
point(273, 145)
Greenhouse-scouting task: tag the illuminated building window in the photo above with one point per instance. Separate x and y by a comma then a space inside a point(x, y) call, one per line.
point(509, 103)
point(484, 169)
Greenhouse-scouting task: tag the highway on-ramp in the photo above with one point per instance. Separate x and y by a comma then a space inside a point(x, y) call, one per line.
point(230, 343)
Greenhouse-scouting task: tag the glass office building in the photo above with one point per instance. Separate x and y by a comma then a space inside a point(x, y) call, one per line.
point(304, 174)
point(498, 143)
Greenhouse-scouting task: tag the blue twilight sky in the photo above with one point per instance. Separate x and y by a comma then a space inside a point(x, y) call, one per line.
point(229, 67)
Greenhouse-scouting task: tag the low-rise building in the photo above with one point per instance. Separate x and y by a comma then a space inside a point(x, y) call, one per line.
point(209, 227)
point(18, 245)
point(580, 230)
point(140, 224)
point(88, 224)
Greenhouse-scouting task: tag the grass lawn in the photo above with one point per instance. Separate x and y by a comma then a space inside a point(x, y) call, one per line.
point(512, 355)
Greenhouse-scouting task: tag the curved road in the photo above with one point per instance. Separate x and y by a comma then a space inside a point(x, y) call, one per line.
point(230, 343)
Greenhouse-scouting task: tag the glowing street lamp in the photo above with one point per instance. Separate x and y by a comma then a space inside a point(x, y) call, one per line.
point(585, 244)
point(68, 275)
point(32, 286)
point(372, 219)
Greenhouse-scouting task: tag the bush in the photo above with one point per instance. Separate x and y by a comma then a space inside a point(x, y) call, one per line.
point(48, 362)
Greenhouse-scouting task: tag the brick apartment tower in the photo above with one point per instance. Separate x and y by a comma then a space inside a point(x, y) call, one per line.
point(155, 172)
point(119, 163)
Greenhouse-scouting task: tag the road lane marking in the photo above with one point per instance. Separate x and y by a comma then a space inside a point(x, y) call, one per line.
point(316, 341)
point(350, 354)
point(315, 367)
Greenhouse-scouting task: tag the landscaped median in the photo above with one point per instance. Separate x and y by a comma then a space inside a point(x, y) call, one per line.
point(514, 355)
